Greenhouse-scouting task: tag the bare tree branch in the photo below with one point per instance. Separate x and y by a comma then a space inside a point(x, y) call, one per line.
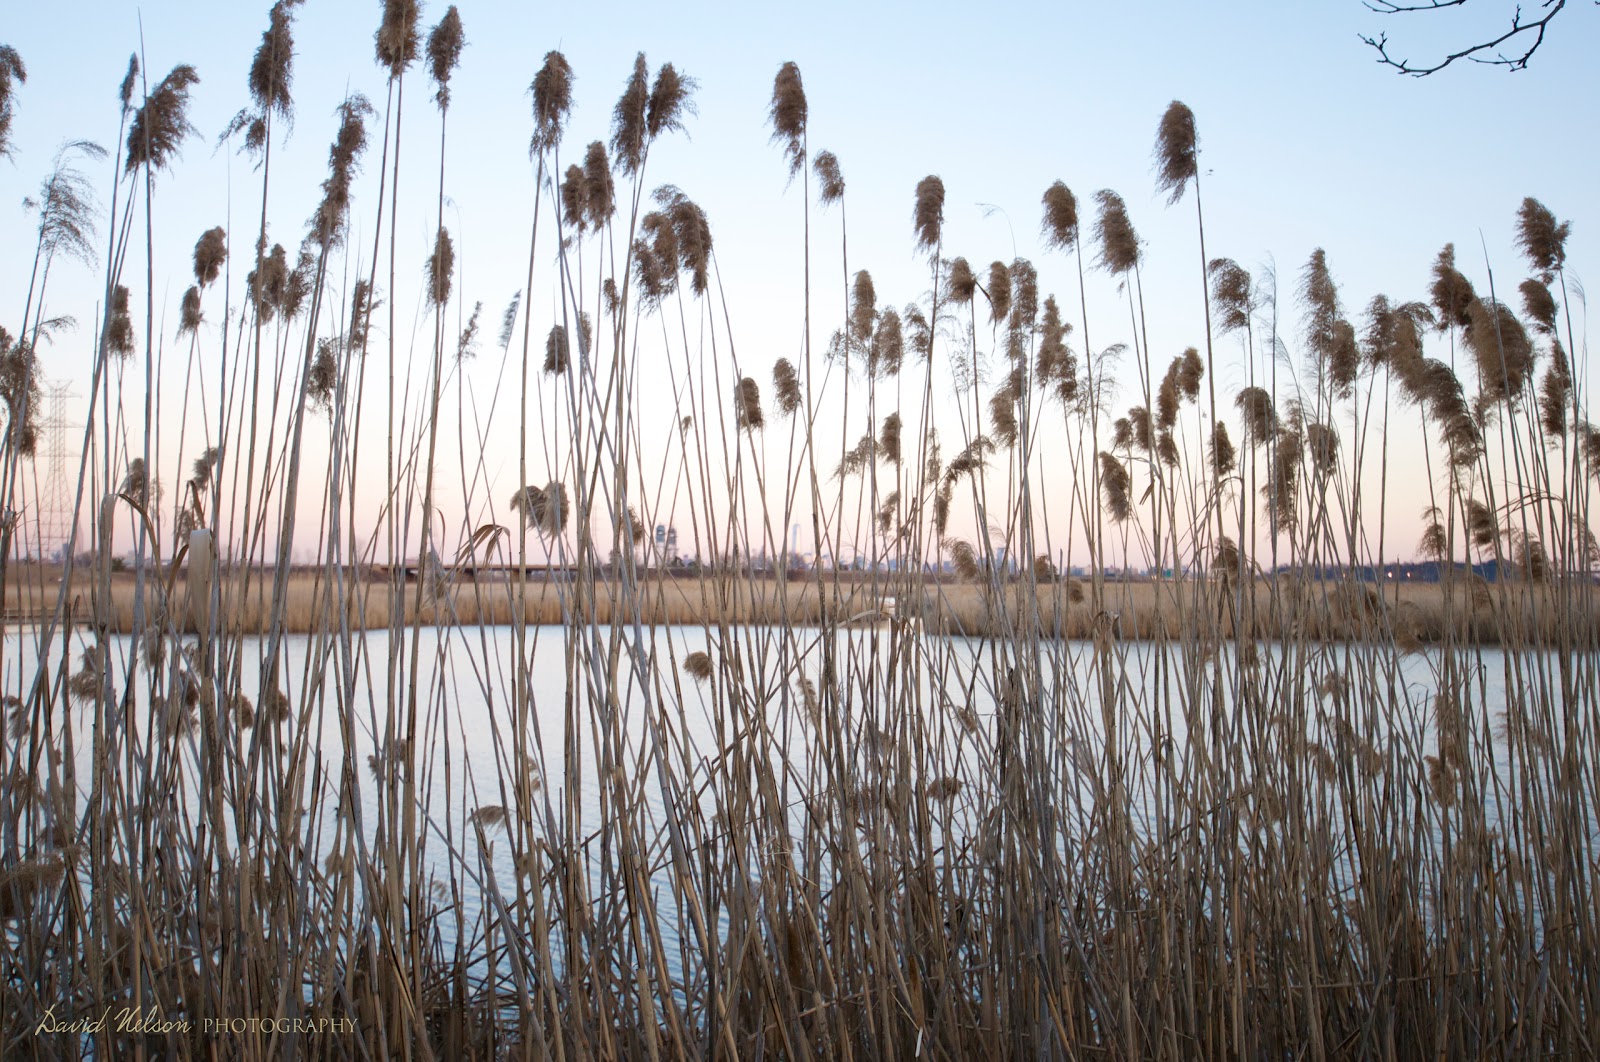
point(1527, 33)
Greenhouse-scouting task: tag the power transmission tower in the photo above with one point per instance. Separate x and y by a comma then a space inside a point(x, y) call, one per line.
point(55, 492)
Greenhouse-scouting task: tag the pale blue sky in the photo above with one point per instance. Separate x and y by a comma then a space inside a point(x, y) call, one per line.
point(1305, 142)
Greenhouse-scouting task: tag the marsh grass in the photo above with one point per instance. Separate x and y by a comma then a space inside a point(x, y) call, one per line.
point(1254, 808)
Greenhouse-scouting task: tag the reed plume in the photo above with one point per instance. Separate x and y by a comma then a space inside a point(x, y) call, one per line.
point(1435, 542)
point(397, 37)
point(1116, 486)
point(1168, 397)
point(1177, 154)
point(508, 321)
point(161, 123)
point(698, 665)
point(1500, 347)
point(444, 53)
point(119, 331)
point(1541, 238)
point(927, 212)
point(13, 72)
point(1282, 488)
point(889, 438)
point(599, 190)
point(1533, 563)
point(748, 408)
point(1331, 338)
point(189, 315)
point(574, 205)
point(543, 508)
point(1223, 456)
point(272, 68)
point(467, 341)
point(328, 223)
point(1054, 363)
point(1323, 444)
point(1024, 311)
point(1481, 524)
point(21, 392)
point(785, 387)
point(1119, 244)
point(1231, 294)
point(1060, 225)
point(558, 345)
point(210, 253)
point(441, 268)
point(551, 89)
point(962, 282)
point(863, 308)
point(630, 119)
point(887, 351)
point(1555, 391)
point(830, 181)
point(671, 98)
point(965, 560)
point(1538, 305)
point(691, 236)
point(1450, 291)
point(1003, 416)
point(136, 481)
point(998, 291)
point(66, 205)
point(322, 376)
point(787, 113)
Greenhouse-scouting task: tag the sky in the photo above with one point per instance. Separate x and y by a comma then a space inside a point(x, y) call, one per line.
point(1305, 142)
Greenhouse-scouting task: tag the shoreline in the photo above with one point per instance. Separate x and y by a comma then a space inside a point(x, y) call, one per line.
point(1412, 614)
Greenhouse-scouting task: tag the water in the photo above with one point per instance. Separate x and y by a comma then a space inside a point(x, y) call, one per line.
point(951, 688)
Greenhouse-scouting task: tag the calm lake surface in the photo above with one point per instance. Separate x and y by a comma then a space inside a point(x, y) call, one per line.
point(463, 703)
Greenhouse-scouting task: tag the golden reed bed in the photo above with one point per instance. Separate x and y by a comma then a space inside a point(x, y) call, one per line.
point(1412, 613)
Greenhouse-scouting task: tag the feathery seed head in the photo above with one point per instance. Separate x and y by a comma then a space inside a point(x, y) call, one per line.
point(630, 119)
point(927, 215)
point(161, 123)
point(599, 190)
point(1177, 155)
point(210, 252)
point(1222, 452)
point(12, 69)
point(1119, 244)
point(552, 102)
point(272, 69)
point(670, 100)
point(397, 37)
point(999, 292)
point(1116, 486)
point(119, 333)
point(1540, 238)
point(1539, 305)
point(830, 182)
point(1501, 348)
point(785, 387)
point(1024, 296)
point(189, 316)
point(1230, 294)
point(1451, 291)
point(748, 409)
point(441, 267)
point(787, 113)
point(962, 283)
point(1060, 218)
point(444, 53)
point(698, 665)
